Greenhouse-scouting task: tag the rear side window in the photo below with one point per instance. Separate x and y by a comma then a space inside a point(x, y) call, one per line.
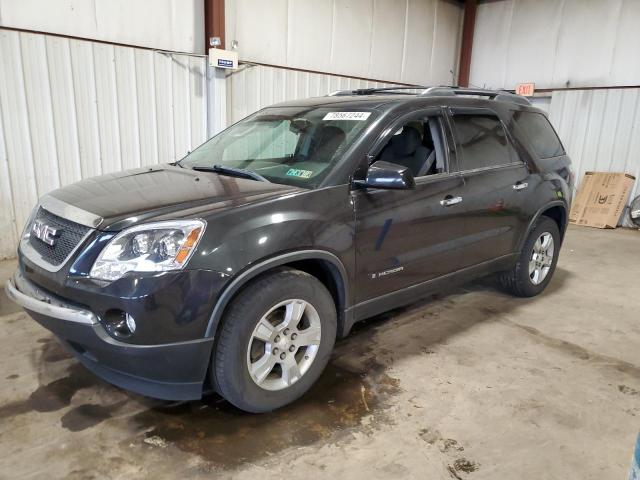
point(481, 142)
point(542, 137)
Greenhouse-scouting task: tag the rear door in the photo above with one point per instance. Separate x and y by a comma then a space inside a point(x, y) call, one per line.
point(496, 184)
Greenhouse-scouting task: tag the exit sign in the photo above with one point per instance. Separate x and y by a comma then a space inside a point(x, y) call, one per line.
point(525, 89)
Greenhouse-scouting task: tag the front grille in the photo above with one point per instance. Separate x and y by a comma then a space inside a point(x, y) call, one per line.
point(71, 234)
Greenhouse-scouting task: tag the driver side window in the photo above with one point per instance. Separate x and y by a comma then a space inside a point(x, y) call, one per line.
point(418, 145)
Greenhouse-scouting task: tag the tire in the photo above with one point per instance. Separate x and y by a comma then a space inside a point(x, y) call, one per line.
point(242, 340)
point(519, 280)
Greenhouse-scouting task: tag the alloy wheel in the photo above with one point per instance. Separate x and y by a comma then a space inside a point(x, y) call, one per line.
point(541, 258)
point(284, 344)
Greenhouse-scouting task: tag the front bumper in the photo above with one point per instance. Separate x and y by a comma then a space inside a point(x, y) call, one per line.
point(171, 371)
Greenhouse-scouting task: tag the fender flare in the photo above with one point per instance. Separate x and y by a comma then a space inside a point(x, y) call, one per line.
point(532, 222)
point(262, 266)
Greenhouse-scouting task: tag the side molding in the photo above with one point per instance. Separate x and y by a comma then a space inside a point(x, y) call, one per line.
point(268, 264)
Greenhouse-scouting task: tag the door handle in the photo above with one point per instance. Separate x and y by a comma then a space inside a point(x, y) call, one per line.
point(520, 186)
point(448, 201)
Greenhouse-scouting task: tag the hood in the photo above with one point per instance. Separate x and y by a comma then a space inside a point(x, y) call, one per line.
point(122, 199)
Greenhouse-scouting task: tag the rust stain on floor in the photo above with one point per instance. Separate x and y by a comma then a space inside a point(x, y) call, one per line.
point(54, 395)
point(353, 386)
point(88, 415)
point(227, 437)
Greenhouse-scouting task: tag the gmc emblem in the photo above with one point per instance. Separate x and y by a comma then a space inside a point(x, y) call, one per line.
point(44, 232)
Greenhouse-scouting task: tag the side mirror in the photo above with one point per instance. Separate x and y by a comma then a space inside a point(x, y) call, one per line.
point(387, 175)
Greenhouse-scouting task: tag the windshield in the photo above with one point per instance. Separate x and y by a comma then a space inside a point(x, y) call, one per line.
point(289, 145)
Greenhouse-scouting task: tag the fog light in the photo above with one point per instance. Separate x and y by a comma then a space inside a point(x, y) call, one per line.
point(119, 323)
point(131, 323)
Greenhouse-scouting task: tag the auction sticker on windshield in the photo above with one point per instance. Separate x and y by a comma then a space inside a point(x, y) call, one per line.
point(357, 116)
point(295, 172)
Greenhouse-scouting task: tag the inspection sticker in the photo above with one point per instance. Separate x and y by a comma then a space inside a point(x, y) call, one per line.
point(294, 172)
point(357, 116)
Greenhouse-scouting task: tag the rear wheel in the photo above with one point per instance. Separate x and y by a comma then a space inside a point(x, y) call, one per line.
point(537, 261)
point(275, 340)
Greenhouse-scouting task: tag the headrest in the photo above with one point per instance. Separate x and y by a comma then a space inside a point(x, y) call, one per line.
point(330, 133)
point(406, 142)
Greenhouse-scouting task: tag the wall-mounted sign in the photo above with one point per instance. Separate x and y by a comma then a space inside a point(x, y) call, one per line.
point(525, 89)
point(220, 58)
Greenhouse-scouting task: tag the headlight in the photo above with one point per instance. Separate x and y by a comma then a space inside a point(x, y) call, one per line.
point(153, 247)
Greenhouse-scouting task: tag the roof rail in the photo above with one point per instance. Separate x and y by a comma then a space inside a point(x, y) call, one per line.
point(499, 95)
point(441, 91)
point(371, 91)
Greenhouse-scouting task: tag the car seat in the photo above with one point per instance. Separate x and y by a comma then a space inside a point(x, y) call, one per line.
point(406, 149)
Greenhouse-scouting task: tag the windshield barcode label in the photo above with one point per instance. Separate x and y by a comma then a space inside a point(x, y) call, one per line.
point(357, 116)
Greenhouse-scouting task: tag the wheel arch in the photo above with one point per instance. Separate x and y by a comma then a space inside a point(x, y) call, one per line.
point(557, 211)
point(323, 265)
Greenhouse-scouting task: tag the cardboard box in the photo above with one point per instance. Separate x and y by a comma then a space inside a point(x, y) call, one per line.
point(601, 199)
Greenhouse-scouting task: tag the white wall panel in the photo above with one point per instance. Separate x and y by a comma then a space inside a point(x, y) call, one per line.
point(408, 41)
point(176, 25)
point(127, 105)
point(352, 36)
point(107, 101)
point(8, 232)
point(599, 129)
point(84, 100)
point(15, 119)
point(181, 106)
point(309, 43)
point(260, 26)
point(389, 21)
point(72, 109)
point(253, 87)
point(147, 108)
point(446, 45)
point(556, 43)
point(63, 109)
point(164, 104)
point(626, 67)
point(197, 77)
point(39, 112)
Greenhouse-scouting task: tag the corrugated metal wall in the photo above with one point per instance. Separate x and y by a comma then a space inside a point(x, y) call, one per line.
point(72, 109)
point(408, 41)
point(556, 43)
point(253, 87)
point(600, 129)
point(176, 25)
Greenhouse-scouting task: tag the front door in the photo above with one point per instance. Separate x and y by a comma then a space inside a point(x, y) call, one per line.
point(406, 237)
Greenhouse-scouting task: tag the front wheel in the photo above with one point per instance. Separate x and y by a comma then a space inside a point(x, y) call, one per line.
point(537, 261)
point(275, 340)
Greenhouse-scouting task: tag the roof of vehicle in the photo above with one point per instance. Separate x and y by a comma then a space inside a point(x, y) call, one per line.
point(379, 97)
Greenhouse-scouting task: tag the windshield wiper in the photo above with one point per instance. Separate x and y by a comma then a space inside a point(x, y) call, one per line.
point(236, 172)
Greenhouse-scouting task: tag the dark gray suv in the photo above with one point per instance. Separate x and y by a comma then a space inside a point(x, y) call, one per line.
point(237, 268)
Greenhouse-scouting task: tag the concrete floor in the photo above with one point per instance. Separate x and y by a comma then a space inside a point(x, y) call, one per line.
point(471, 384)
